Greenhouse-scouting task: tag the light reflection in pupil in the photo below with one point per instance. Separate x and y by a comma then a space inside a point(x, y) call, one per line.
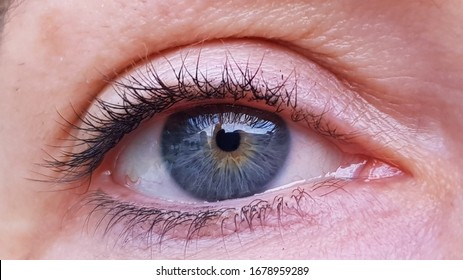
point(220, 152)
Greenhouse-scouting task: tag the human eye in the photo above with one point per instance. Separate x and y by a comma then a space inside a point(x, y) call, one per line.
point(212, 140)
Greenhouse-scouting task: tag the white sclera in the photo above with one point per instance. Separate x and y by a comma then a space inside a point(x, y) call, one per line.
point(140, 165)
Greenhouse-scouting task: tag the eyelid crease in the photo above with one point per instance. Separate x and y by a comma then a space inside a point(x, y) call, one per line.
point(145, 96)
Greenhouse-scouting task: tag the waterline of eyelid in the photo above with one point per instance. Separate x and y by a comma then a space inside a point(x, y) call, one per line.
point(366, 170)
point(359, 169)
point(300, 203)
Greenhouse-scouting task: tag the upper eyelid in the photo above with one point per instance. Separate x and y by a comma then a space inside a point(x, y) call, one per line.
point(69, 168)
point(131, 91)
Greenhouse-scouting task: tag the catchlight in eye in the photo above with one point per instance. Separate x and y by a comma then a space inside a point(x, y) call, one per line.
point(223, 152)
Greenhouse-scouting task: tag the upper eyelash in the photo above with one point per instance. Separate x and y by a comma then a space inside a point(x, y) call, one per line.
point(144, 97)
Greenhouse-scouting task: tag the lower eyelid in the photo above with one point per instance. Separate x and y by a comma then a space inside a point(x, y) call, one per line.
point(125, 219)
point(114, 217)
point(144, 225)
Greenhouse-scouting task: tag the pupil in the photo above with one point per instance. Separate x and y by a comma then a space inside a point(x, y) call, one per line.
point(228, 141)
point(221, 152)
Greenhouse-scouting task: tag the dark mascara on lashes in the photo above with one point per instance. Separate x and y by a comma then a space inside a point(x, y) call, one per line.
point(142, 98)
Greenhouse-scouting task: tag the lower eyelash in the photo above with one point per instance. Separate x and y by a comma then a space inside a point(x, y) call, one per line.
point(148, 226)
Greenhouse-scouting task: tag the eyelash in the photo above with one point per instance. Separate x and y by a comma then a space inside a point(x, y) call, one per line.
point(153, 225)
point(143, 98)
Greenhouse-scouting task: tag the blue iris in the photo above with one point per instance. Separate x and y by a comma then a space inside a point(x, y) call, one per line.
point(219, 152)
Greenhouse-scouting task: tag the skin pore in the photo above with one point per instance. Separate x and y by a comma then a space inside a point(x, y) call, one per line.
point(399, 63)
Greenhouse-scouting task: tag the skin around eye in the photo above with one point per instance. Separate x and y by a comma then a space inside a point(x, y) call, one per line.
point(238, 73)
point(402, 57)
point(132, 192)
